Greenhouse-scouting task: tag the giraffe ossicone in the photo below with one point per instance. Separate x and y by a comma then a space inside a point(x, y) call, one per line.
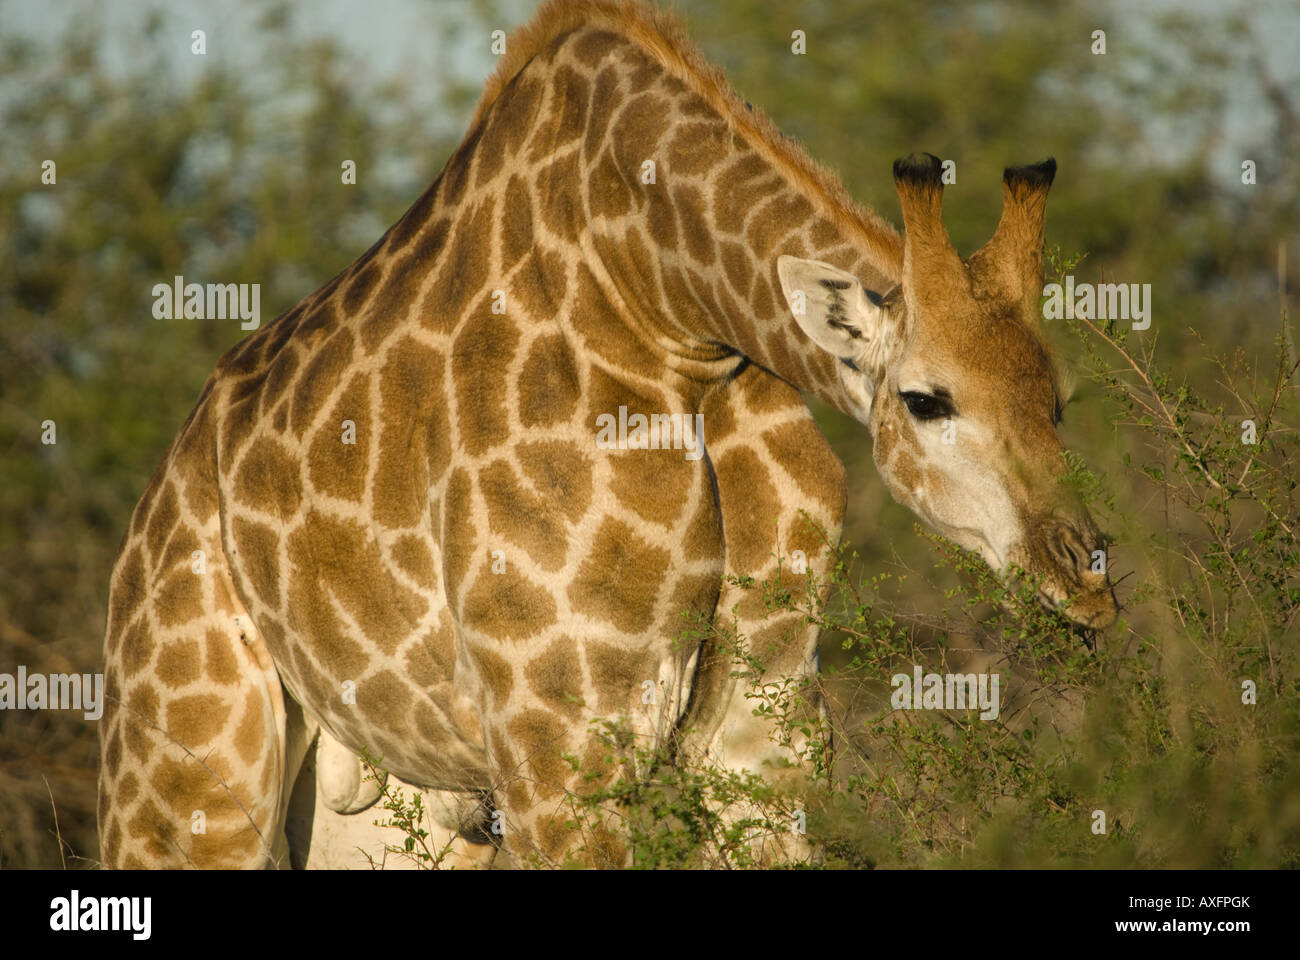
point(481, 576)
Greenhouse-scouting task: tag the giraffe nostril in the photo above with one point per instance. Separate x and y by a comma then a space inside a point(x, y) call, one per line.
point(1067, 548)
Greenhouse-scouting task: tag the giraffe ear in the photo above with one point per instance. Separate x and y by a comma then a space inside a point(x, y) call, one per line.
point(831, 307)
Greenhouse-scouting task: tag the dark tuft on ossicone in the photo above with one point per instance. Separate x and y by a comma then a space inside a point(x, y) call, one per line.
point(919, 169)
point(1034, 177)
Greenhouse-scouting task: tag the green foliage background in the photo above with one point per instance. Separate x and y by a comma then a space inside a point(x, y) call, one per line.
point(236, 176)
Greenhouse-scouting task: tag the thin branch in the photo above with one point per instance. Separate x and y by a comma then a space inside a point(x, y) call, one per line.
point(58, 835)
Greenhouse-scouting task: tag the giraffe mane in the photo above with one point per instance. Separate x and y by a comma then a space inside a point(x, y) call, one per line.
point(659, 34)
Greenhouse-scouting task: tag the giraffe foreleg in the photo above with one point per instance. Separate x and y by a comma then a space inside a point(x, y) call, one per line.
point(782, 492)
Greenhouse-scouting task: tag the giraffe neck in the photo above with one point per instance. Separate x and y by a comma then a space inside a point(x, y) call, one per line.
point(675, 205)
point(694, 253)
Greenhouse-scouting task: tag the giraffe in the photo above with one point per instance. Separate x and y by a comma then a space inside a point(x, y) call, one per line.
point(472, 578)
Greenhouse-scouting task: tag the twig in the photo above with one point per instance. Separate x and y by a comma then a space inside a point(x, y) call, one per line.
point(1196, 460)
point(58, 835)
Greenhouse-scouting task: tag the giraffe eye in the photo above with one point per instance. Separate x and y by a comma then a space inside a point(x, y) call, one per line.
point(923, 406)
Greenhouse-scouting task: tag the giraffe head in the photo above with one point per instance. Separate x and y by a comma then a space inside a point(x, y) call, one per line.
point(951, 374)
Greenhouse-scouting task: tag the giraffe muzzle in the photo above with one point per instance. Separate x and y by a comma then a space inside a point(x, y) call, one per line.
point(1076, 581)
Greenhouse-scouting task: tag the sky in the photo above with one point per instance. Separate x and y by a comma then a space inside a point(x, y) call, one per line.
point(390, 38)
